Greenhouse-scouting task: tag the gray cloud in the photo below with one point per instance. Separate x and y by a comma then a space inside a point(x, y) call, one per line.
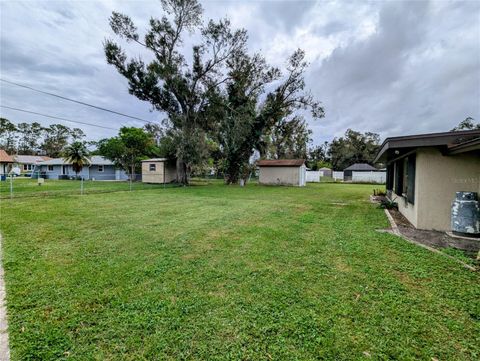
point(416, 73)
point(388, 67)
point(285, 14)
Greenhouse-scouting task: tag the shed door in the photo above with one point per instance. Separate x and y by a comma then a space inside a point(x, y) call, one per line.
point(302, 177)
point(65, 169)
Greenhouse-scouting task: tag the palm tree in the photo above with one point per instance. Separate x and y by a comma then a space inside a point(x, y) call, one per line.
point(77, 154)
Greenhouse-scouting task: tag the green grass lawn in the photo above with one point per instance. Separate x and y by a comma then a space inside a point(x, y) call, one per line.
point(27, 187)
point(214, 272)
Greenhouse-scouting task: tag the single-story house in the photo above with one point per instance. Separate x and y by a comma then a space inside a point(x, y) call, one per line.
point(27, 163)
point(291, 172)
point(158, 170)
point(325, 172)
point(357, 167)
point(6, 162)
point(424, 171)
point(99, 168)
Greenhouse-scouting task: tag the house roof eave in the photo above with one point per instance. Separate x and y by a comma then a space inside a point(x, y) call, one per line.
point(444, 139)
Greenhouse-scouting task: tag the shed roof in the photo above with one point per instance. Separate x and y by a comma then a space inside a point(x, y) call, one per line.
point(281, 162)
point(94, 160)
point(4, 157)
point(30, 159)
point(392, 147)
point(360, 166)
point(155, 160)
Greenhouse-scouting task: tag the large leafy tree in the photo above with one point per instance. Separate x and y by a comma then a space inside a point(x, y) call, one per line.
point(8, 136)
point(171, 84)
point(466, 124)
point(29, 137)
point(156, 131)
point(353, 147)
point(248, 124)
point(77, 134)
point(238, 130)
point(77, 154)
point(317, 157)
point(55, 140)
point(128, 149)
point(288, 139)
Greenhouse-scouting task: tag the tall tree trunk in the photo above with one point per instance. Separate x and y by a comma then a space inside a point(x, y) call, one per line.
point(232, 174)
point(182, 176)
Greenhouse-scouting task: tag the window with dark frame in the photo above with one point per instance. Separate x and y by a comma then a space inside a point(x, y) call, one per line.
point(50, 168)
point(100, 168)
point(411, 165)
point(153, 167)
point(398, 177)
point(404, 178)
point(390, 177)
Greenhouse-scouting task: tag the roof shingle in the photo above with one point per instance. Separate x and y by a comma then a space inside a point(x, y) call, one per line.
point(94, 160)
point(281, 163)
point(360, 166)
point(30, 159)
point(4, 157)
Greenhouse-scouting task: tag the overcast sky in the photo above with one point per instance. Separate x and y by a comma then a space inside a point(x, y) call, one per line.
point(391, 67)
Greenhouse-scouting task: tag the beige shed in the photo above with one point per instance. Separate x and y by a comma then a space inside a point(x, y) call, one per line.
point(290, 172)
point(158, 170)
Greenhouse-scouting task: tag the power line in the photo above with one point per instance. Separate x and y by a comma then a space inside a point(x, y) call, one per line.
point(54, 117)
point(76, 101)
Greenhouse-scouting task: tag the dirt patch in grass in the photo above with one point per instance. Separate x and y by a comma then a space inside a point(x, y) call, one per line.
point(436, 239)
point(400, 220)
point(341, 266)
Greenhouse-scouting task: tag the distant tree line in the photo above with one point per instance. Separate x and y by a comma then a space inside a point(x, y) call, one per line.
point(132, 145)
point(341, 152)
point(32, 138)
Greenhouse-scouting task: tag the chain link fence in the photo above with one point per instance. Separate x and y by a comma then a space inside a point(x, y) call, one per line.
point(33, 185)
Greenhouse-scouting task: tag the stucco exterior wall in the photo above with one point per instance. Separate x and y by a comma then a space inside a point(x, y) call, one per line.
point(279, 176)
point(437, 179)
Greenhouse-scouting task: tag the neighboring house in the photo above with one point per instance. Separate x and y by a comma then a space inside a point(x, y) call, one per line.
point(99, 168)
point(357, 167)
point(325, 172)
point(158, 170)
point(290, 172)
point(27, 163)
point(424, 172)
point(6, 162)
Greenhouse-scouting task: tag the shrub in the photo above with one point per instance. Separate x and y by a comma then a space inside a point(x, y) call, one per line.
point(388, 204)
